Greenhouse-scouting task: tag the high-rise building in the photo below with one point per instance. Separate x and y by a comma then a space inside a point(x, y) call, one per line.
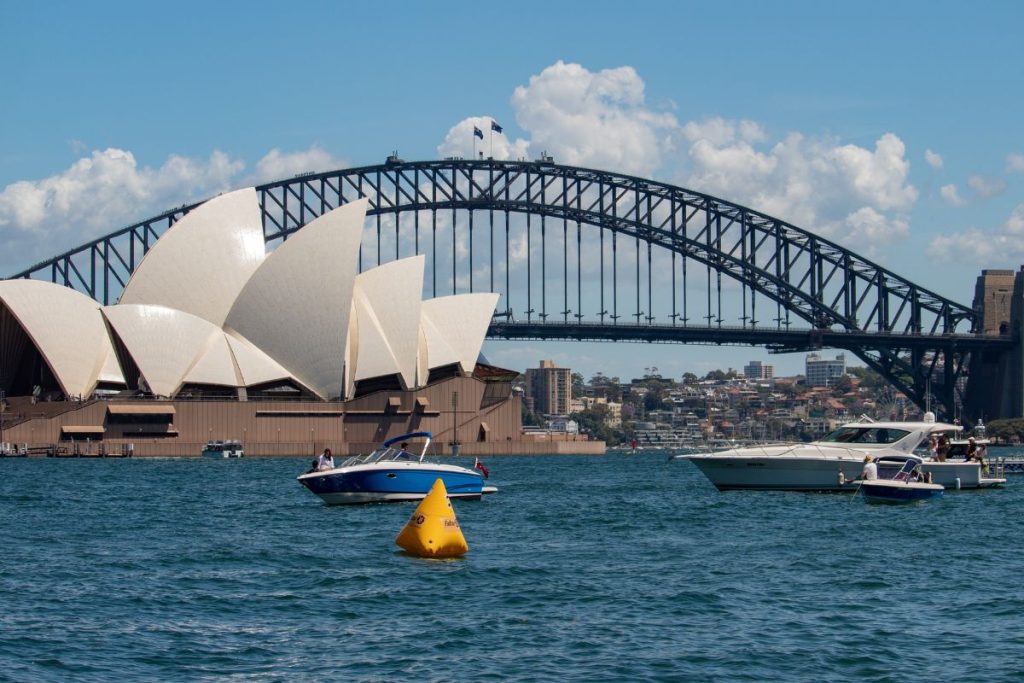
point(755, 369)
point(823, 372)
point(550, 387)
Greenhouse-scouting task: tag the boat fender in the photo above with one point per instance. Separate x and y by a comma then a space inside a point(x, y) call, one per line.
point(842, 478)
point(957, 483)
point(433, 530)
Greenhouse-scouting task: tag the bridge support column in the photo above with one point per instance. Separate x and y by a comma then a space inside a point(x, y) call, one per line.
point(995, 387)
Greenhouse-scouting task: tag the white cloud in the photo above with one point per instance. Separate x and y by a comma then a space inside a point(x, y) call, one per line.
point(952, 195)
point(934, 159)
point(109, 189)
point(276, 165)
point(459, 142)
point(1014, 162)
point(843, 191)
point(1000, 247)
point(986, 187)
point(597, 119)
point(601, 119)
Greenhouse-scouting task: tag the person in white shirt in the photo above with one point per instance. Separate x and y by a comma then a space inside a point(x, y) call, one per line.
point(325, 461)
point(870, 469)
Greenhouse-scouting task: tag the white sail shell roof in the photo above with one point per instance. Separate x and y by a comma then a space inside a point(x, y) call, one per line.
point(67, 328)
point(254, 366)
point(455, 327)
point(204, 260)
point(388, 300)
point(164, 343)
point(215, 365)
point(296, 306)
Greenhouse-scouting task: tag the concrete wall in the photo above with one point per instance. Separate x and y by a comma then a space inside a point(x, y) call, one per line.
point(287, 428)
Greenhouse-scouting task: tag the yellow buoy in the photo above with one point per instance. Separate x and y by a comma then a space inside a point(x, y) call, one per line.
point(433, 531)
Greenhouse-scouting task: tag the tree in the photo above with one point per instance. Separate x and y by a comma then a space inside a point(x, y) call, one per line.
point(577, 384)
point(690, 378)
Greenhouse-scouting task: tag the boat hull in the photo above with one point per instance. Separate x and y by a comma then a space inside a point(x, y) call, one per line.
point(778, 473)
point(391, 482)
point(899, 492)
point(806, 473)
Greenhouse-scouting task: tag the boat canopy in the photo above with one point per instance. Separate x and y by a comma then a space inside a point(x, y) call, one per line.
point(406, 437)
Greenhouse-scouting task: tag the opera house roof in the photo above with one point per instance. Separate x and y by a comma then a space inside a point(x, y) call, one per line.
point(209, 307)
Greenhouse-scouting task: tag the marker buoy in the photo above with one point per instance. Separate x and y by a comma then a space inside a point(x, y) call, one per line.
point(432, 530)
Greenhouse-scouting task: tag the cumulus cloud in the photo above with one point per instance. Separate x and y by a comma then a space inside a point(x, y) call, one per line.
point(601, 119)
point(104, 190)
point(986, 187)
point(597, 119)
point(109, 188)
point(1014, 162)
point(991, 248)
point(276, 165)
point(933, 159)
point(459, 142)
point(952, 195)
point(861, 195)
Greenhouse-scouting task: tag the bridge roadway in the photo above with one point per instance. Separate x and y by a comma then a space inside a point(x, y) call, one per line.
point(775, 339)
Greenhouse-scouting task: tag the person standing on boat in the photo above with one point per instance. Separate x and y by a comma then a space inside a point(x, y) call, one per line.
point(325, 461)
point(972, 449)
point(943, 449)
point(933, 447)
point(870, 472)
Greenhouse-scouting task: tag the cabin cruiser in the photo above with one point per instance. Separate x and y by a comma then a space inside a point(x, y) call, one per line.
point(899, 480)
point(393, 473)
point(223, 449)
point(835, 462)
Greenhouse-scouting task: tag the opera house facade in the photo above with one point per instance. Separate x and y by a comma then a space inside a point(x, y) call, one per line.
point(291, 350)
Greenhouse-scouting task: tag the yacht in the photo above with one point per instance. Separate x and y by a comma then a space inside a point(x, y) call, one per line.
point(223, 449)
point(835, 462)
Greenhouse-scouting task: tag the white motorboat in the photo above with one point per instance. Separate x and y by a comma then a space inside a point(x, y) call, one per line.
point(837, 460)
point(223, 449)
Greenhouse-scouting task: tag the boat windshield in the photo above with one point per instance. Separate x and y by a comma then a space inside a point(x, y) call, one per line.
point(380, 455)
point(880, 435)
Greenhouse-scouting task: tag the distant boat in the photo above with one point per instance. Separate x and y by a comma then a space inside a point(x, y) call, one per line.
point(391, 474)
point(835, 462)
point(902, 487)
point(223, 449)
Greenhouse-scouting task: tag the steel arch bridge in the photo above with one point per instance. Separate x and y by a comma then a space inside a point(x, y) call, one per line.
point(574, 251)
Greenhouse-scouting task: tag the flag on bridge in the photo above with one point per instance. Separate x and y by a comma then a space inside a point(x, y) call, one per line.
point(495, 127)
point(477, 132)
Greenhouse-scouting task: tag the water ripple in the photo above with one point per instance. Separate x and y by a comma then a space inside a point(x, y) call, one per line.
point(597, 569)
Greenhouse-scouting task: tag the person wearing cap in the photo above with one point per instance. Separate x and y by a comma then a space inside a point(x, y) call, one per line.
point(870, 472)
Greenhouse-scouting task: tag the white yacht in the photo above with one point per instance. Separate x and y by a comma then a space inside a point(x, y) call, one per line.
point(835, 462)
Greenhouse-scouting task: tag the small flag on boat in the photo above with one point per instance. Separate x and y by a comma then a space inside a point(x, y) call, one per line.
point(477, 132)
point(480, 466)
point(495, 127)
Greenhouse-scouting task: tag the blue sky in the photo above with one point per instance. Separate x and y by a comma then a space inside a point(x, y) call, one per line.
point(892, 127)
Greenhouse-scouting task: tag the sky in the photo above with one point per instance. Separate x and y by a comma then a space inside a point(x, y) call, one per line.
point(892, 128)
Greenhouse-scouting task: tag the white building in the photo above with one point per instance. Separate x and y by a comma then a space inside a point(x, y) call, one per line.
point(822, 372)
point(755, 369)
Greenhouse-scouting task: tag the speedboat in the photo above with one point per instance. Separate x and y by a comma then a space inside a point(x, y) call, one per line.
point(835, 462)
point(392, 473)
point(223, 449)
point(899, 481)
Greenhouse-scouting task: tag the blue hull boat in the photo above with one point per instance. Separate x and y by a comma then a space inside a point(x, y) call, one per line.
point(391, 474)
point(903, 486)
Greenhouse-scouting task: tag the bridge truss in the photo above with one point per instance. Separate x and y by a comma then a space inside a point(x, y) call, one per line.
point(590, 255)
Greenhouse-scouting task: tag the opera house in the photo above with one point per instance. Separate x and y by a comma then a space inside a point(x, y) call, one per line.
point(289, 351)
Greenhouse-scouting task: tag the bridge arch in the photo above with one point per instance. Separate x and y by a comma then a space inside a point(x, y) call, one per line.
point(916, 338)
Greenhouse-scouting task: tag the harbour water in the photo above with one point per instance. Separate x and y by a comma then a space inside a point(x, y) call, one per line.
point(582, 568)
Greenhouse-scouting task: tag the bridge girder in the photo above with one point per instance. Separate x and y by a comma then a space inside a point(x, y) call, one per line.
point(801, 273)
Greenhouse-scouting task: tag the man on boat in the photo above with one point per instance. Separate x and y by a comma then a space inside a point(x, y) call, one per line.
point(325, 461)
point(870, 472)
